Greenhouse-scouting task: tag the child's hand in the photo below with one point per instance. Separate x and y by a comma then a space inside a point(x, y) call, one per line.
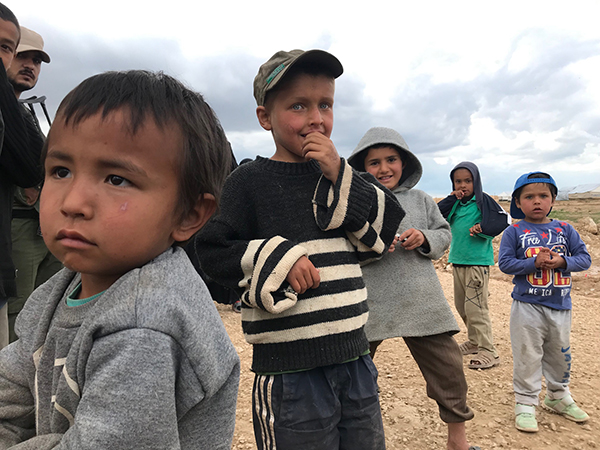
point(475, 229)
point(554, 261)
point(319, 147)
point(542, 257)
point(303, 276)
point(458, 194)
point(394, 243)
point(31, 195)
point(411, 239)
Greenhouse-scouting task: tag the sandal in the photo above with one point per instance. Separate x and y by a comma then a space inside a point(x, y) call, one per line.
point(483, 360)
point(466, 348)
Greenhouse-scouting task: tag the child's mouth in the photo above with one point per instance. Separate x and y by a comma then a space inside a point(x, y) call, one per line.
point(71, 238)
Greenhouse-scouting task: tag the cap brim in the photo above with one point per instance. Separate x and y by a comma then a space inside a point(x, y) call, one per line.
point(515, 211)
point(27, 48)
point(321, 57)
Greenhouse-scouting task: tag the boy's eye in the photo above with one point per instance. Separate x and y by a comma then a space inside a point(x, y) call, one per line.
point(61, 172)
point(373, 163)
point(297, 107)
point(116, 180)
point(324, 106)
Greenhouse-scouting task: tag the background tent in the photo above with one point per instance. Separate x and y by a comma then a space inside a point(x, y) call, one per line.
point(585, 191)
point(563, 194)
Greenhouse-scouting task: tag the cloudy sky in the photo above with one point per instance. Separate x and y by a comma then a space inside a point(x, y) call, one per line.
point(513, 86)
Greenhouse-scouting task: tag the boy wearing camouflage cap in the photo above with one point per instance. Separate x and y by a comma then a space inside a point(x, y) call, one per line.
point(290, 235)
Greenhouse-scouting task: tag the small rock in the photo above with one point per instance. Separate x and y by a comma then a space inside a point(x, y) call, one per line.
point(553, 426)
point(588, 224)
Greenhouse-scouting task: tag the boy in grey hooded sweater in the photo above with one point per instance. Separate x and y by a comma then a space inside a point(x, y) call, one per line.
point(124, 347)
point(404, 294)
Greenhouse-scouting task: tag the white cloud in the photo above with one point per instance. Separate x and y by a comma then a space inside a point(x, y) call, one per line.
point(510, 85)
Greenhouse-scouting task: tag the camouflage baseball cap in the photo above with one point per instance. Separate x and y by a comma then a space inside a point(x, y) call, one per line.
point(273, 71)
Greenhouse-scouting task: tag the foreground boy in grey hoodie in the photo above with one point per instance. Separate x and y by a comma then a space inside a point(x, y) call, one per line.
point(124, 348)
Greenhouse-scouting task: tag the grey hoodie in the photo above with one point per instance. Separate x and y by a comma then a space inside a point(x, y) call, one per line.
point(147, 365)
point(404, 294)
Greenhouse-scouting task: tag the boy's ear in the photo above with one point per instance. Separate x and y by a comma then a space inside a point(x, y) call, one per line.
point(205, 207)
point(518, 202)
point(263, 117)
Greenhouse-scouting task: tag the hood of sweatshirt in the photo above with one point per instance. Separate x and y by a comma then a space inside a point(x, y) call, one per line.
point(413, 170)
point(477, 189)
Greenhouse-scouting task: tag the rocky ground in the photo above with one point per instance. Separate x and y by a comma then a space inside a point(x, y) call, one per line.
point(411, 419)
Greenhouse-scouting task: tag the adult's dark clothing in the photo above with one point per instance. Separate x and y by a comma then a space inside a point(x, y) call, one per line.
point(20, 150)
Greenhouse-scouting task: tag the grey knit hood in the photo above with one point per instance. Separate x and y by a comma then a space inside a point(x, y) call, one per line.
point(412, 172)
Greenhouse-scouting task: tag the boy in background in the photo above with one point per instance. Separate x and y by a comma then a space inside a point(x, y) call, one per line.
point(405, 296)
point(289, 238)
point(475, 218)
point(124, 348)
point(541, 253)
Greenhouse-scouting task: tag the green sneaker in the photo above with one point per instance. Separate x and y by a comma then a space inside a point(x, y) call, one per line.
point(566, 407)
point(525, 418)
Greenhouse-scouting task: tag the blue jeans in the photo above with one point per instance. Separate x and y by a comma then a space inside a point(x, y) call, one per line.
point(327, 408)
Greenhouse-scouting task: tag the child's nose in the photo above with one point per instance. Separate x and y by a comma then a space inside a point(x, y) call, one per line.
point(78, 201)
point(315, 116)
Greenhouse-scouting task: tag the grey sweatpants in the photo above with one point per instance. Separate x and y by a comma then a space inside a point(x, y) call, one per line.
point(540, 339)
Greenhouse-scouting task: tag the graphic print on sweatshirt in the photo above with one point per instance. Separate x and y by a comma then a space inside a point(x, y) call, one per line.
point(543, 281)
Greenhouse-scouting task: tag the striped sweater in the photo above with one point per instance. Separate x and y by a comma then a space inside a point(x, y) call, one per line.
point(271, 214)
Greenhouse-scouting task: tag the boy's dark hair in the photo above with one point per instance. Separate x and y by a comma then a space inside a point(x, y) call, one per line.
point(360, 163)
point(553, 189)
point(206, 155)
point(9, 16)
point(301, 68)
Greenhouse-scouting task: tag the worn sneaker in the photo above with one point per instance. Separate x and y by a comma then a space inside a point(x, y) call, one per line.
point(566, 407)
point(525, 418)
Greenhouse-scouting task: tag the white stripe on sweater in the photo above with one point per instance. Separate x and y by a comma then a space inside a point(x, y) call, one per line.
point(309, 332)
point(308, 305)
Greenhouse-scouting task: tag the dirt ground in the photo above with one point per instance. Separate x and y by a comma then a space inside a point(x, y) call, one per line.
point(411, 419)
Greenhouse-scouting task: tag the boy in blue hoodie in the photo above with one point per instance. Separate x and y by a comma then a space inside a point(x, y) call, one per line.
point(475, 218)
point(541, 253)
